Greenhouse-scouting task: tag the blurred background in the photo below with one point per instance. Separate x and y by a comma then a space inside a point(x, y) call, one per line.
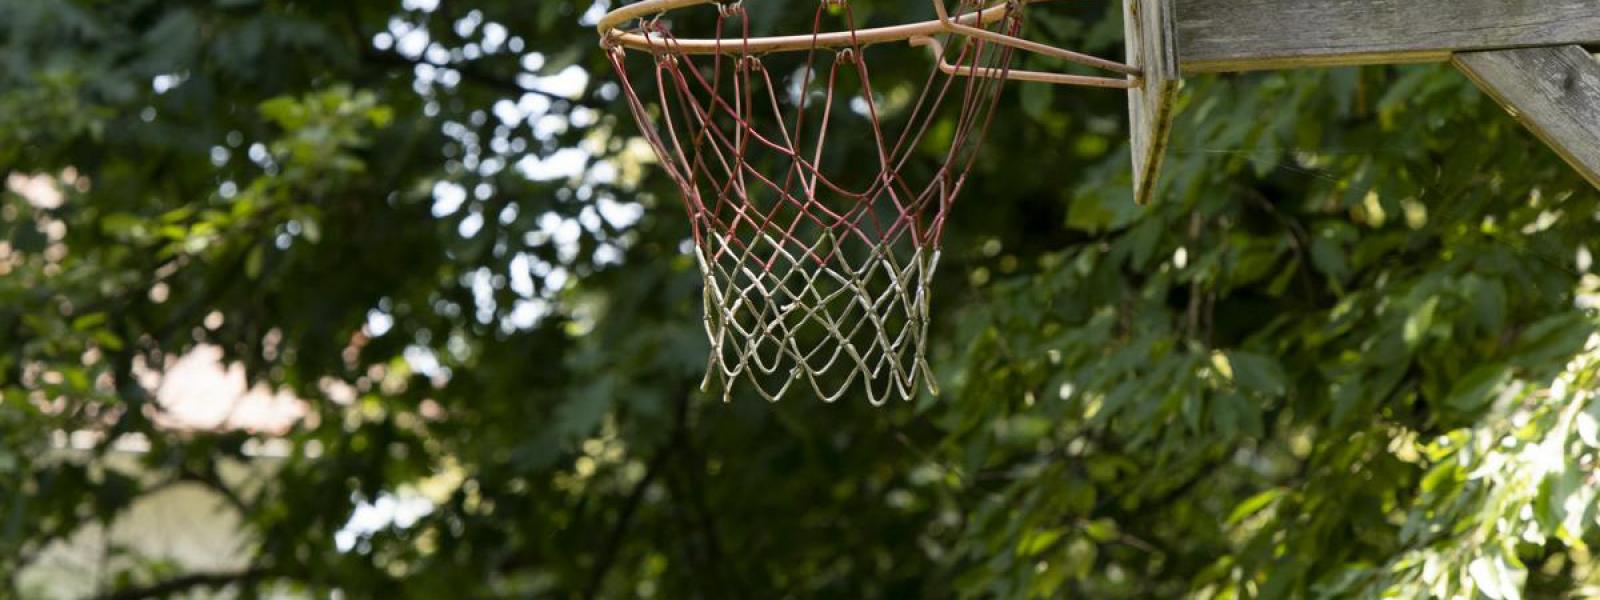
point(389, 299)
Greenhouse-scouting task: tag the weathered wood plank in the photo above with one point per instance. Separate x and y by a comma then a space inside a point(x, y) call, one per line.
point(1555, 92)
point(1243, 35)
point(1149, 35)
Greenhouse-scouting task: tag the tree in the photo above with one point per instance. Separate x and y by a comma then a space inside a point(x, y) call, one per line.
point(1350, 351)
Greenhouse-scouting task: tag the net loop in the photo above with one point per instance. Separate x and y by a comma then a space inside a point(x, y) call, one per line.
point(817, 258)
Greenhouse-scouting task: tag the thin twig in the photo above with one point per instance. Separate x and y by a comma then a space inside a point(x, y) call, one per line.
point(472, 73)
point(695, 465)
point(630, 506)
point(192, 581)
point(613, 544)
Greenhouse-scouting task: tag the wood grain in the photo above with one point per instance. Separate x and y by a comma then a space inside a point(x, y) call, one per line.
point(1150, 38)
point(1243, 35)
point(1555, 92)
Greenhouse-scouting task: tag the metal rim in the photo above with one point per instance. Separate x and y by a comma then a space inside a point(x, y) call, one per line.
point(613, 36)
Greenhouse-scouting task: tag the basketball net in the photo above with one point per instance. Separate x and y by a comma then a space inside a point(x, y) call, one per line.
point(813, 282)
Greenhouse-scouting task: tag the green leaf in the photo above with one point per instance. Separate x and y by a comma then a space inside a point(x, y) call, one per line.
point(1488, 297)
point(1441, 476)
point(311, 230)
point(107, 339)
point(1253, 505)
point(1473, 393)
point(122, 225)
point(1080, 557)
point(1038, 541)
point(285, 111)
point(252, 262)
point(1329, 258)
point(380, 116)
point(1101, 212)
point(1233, 414)
point(89, 321)
point(1494, 578)
point(1419, 322)
point(1589, 427)
point(1550, 342)
point(1258, 373)
point(1036, 100)
point(1102, 530)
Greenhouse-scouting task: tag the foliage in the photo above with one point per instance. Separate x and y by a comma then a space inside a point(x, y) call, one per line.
point(1350, 352)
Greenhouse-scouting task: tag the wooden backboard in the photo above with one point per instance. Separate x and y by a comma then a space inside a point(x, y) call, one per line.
point(1533, 56)
point(1151, 38)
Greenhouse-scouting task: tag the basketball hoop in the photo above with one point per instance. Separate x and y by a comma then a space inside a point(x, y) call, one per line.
point(813, 281)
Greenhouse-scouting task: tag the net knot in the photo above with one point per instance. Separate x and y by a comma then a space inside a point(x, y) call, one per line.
point(612, 46)
point(730, 9)
point(1014, 11)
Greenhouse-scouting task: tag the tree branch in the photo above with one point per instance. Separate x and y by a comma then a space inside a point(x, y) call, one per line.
point(613, 544)
point(630, 506)
point(694, 467)
point(211, 580)
point(212, 481)
point(508, 85)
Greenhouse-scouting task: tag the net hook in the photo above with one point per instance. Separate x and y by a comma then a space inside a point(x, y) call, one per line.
point(937, 49)
point(978, 33)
